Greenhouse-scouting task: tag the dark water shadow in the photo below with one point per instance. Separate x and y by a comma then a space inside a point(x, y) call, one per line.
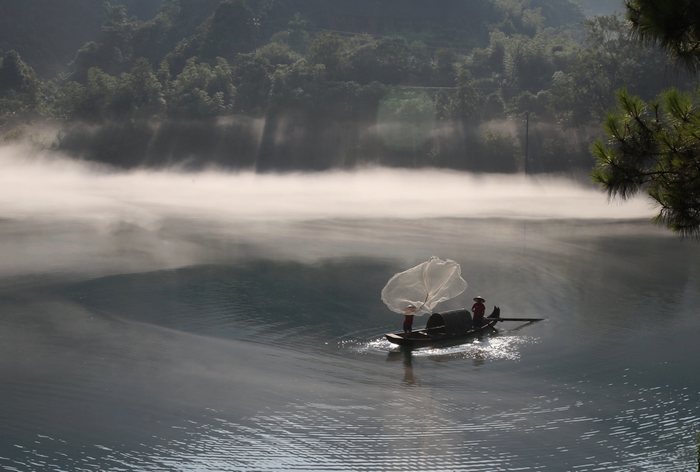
point(273, 302)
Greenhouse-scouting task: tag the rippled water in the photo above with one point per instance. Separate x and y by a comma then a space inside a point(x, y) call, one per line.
point(205, 351)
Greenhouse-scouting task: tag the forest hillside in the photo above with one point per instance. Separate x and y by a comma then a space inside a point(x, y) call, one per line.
point(479, 85)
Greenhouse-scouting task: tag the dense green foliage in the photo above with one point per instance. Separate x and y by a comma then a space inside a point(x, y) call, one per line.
point(318, 83)
point(654, 146)
point(674, 24)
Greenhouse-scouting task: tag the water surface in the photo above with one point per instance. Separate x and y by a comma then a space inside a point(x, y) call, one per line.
point(196, 346)
point(163, 320)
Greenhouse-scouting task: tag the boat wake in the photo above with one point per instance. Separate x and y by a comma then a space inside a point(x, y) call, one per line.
point(505, 347)
point(490, 348)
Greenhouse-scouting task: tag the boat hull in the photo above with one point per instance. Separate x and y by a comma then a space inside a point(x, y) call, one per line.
point(424, 337)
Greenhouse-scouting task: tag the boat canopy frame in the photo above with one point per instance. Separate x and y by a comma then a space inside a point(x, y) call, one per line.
point(453, 322)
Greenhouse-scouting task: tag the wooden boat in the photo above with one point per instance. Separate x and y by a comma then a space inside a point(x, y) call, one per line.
point(446, 328)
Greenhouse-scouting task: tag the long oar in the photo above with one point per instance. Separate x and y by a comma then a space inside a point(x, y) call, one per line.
point(517, 319)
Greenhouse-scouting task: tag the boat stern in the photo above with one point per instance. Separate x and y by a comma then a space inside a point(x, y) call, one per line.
point(396, 338)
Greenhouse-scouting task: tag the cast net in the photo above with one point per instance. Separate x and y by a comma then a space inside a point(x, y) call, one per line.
point(418, 290)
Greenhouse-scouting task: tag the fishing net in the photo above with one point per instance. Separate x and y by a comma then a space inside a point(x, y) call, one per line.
point(418, 290)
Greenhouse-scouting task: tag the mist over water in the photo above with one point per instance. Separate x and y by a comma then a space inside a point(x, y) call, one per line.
point(46, 185)
point(63, 215)
point(173, 320)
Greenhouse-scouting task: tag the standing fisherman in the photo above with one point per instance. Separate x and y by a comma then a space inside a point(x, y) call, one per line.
point(478, 311)
point(408, 318)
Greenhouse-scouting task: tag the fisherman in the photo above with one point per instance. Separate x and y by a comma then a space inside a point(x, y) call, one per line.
point(478, 311)
point(408, 318)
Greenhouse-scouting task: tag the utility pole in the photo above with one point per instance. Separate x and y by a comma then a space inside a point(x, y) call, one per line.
point(527, 140)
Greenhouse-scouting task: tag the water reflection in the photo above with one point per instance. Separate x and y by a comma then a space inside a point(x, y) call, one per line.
point(251, 362)
point(406, 357)
point(486, 348)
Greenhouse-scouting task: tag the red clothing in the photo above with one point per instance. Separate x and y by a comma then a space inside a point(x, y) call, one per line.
point(407, 323)
point(478, 310)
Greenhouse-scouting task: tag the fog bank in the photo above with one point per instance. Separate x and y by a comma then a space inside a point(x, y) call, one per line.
point(60, 216)
point(50, 187)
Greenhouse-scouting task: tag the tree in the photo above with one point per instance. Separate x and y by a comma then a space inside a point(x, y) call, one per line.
point(251, 74)
point(16, 75)
point(141, 91)
point(277, 54)
point(655, 146)
point(444, 71)
point(113, 53)
point(467, 103)
point(674, 24)
point(296, 36)
point(202, 91)
point(232, 29)
point(609, 59)
point(296, 85)
point(18, 88)
point(390, 60)
point(327, 49)
point(99, 94)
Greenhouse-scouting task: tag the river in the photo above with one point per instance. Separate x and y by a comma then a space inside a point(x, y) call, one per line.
point(142, 330)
